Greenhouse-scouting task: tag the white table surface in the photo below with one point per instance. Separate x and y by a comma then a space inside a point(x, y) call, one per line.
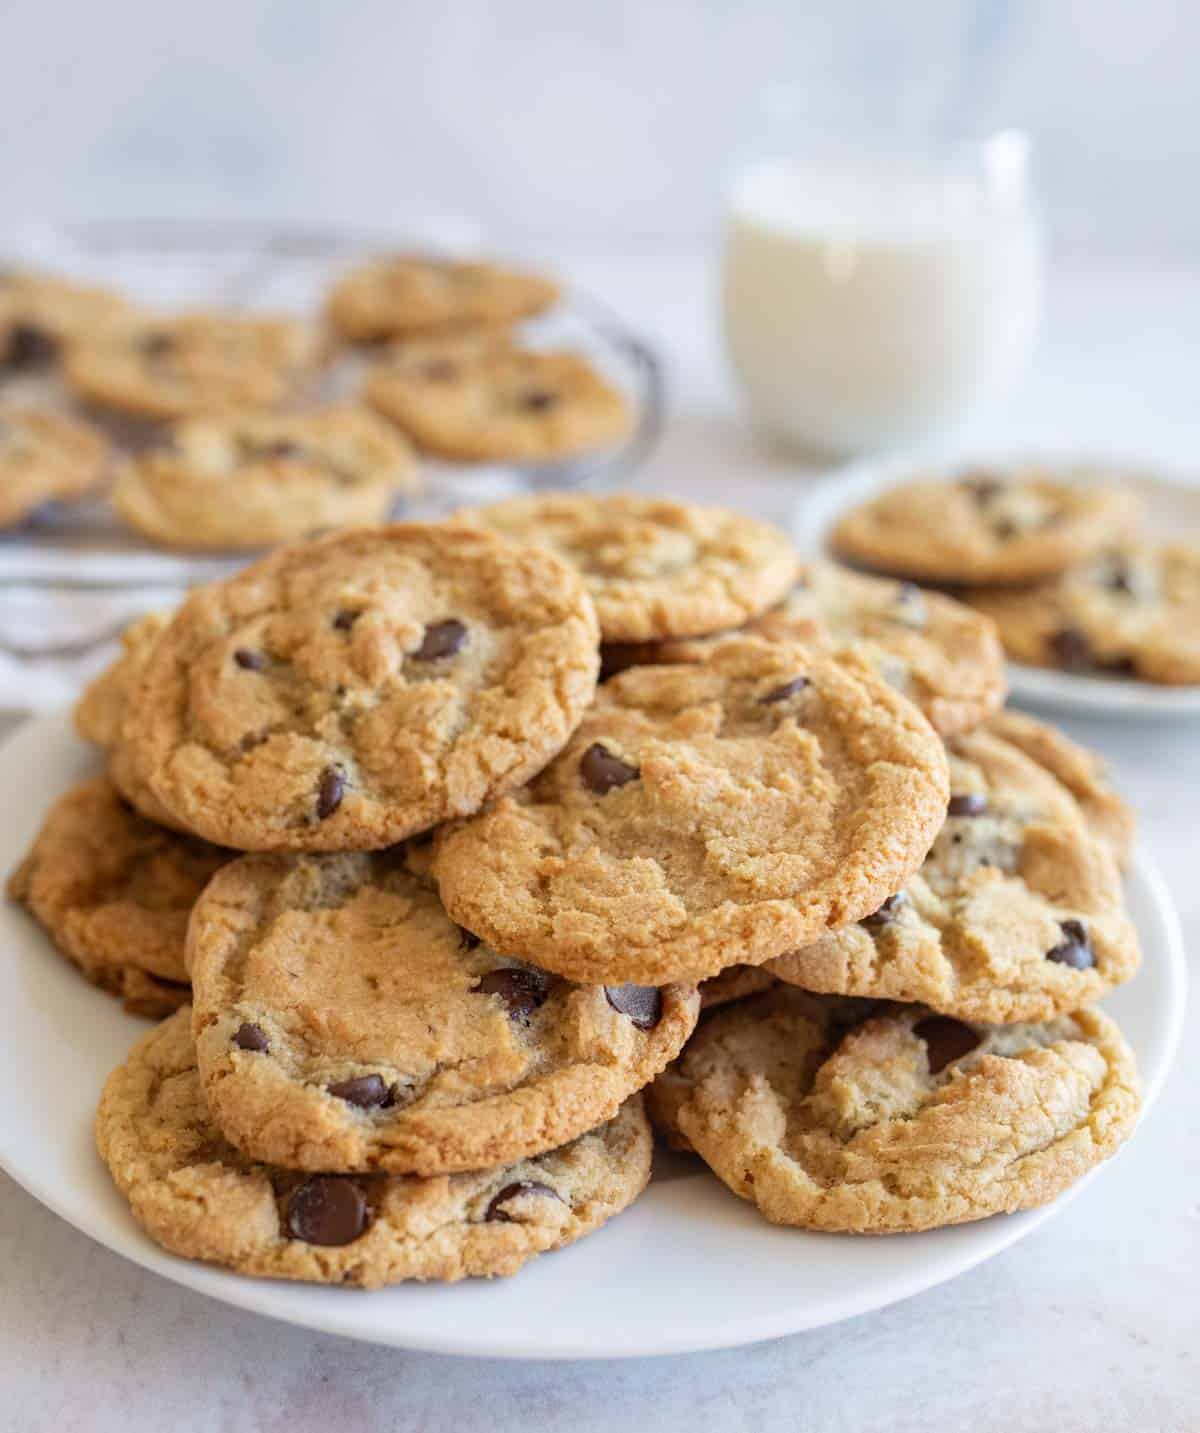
point(1092, 1323)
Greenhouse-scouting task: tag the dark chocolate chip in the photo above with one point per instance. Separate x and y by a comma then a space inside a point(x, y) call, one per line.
point(601, 771)
point(29, 346)
point(442, 639)
point(982, 486)
point(368, 1092)
point(1119, 579)
point(344, 620)
point(1120, 666)
point(1005, 529)
point(641, 1003)
point(156, 344)
point(886, 913)
point(495, 1210)
point(251, 1037)
point(521, 988)
point(969, 803)
point(781, 694)
point(467, 939)
point(252, 661)
point(283, 448)
point(1075, 948)
point(946, 1040)
point(327, 1209)
point(1071, 649)
point(539, 400)
point(330, 792)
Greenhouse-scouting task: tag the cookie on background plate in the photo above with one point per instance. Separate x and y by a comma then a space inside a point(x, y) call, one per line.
point(1083, 772)
point(401, 294)
point(347, 693)
point(1132, 611)
point(899, 1121)
point(46, 457)
point(494, 402)
point(197, 1196)
point(702, 817)
point(1007, 526)
point(164, 366)
point(936, 651)
point(655, 568)
point(114, 892)
point(344, 1022)
point(1016, 914)
point(39, 313)
point(256, 480)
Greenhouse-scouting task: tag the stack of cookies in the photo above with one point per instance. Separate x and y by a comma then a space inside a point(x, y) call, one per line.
point(427, 910)
point(238, 431)
point(1058, 564)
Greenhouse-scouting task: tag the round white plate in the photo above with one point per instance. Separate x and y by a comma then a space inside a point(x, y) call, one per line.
point(690, 1267)
point(1172, 507)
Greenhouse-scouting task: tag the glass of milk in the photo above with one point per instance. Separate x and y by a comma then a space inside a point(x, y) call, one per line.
point(872, 299)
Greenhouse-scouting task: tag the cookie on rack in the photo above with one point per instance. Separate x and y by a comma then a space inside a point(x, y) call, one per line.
point(168, 366)
point(40, 313)
point(255, 480)
point(349, 692)
point(1003, 526)
point(197, 1196)
point(402, 294)
point(826, 1116)
point(481, 400)
point(1082, 772)
point(940, 653)
point(1132, 611)
point(344, 1022)
point(46, 457)
point(114, 891)
point(655, 568)
point(1016, 914)
point(704, 816)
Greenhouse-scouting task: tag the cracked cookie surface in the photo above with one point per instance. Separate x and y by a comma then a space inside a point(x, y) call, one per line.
point(197, 1196)
point(1016, 914)
point(654, 568)
point(115, 891)
point(349, 692)
point(899, 1121)
point(344, 1022)
point(1005, 526)
point(702, 816)
point(258, 480)
point(46, 457)
point(402, 294)
point(1132, 611)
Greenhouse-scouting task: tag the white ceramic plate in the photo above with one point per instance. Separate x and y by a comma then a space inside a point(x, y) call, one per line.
point(690, 1267)
point(1172, 506)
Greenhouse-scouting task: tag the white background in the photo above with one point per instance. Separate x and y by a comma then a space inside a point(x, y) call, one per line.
point(601, 125)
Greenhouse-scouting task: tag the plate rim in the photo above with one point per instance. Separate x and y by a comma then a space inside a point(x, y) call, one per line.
point(820, 504)
point(261, 1296)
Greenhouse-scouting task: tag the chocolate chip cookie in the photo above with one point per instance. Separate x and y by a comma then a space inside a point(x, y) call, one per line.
point(655, 568)
point(344, 1022)
point(403, 294)
point(734, 983)
point(1132, 611)
point(1017, 913)
point(346, 693)
point(701, 817)
point(937, 651)
point(1082, 772)
point(46, 457)
point(902, 1121)
point(39, 314)
point(197, 1196)
point(115, 892)
point(984, 526)
point(493, 402)
point(257, 480)
point(187, 365)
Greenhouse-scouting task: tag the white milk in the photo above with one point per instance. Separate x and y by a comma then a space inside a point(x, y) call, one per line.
point(865, 308)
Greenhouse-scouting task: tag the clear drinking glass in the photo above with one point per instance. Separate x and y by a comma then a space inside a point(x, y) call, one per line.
point(875, 293)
